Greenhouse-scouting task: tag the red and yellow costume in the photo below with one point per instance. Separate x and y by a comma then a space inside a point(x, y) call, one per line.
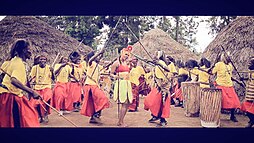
point(42, 86)
point(230, 99)
point(94, 98)
point(61, 98)
point(12, 100)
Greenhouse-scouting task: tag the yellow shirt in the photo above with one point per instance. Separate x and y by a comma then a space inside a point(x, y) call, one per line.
point(183, 71)
point(194, 73)
point(158, 70)
point(42, 77)
point(224, 74)
point(16, 69)
point(84, 66)
point(4, 65)
point(172, 70)
point(203, 77)
point(78, 73)
point(64, 73)
point(135, 73)
point(149, 78)
point(96, 75)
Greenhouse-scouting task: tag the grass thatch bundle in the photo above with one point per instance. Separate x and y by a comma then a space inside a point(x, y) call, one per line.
point(237, 39)
point(43, 37)
point(156, 39)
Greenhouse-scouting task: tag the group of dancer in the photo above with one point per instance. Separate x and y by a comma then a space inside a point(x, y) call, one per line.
point(76, 85)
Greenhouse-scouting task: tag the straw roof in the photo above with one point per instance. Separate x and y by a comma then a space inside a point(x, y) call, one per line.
point(156, 39)
point(43, 37)
point(237, 39)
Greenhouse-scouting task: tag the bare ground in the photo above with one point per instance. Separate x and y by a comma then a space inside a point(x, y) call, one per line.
point(139, 119)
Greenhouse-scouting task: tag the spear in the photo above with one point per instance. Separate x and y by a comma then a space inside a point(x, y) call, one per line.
point(58, 54)
point(145, 49)
point(233, 65)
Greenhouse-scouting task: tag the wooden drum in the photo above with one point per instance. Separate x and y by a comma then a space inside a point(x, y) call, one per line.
point(191, 95)
point(210, 107)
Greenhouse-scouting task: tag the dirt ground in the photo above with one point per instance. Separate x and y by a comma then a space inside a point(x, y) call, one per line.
point(139, 119)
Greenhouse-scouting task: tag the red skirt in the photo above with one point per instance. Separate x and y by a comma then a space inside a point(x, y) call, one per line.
point(46, 95)
point(95, 102)
point(75, 91)
point(61, 98)
point(153, 101)
point(178, 93)
point(135, 94)
point(27, 114)
point(248, 107)
point(230, 99)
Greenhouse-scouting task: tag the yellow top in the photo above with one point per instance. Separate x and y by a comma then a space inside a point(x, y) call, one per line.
point(17, 70)
point(183, 71)
point(4, 65)
point(149, 78)
point(96, 75)
point(78, 73)
point(64, 73)
point(158, 70)
point(42, 77)
point(135, 73)
point(224, 74)
point(203, 77)
point(194, 73)
point(172, 67)
point(84, 66)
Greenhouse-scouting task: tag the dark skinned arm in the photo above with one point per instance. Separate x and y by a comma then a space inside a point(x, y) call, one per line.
point(19, 85)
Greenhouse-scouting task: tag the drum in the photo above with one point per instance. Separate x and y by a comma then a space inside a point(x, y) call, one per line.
point(210, 107)
point(191, 98)
point(249, 94)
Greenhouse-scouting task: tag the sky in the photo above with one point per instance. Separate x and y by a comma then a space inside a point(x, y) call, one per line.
point(202, 36)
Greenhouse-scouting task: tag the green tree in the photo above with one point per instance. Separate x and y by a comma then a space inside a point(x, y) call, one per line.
point(181, 28)
point(217, 23)
point(82, 28)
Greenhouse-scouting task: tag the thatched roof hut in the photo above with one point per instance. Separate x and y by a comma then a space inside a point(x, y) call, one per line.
point(238, 39)
point(43, 37)
point(157, 39)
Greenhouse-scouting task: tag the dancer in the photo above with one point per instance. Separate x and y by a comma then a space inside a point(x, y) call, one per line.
point(15, 109)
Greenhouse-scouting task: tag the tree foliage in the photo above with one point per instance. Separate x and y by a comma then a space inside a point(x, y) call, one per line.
point(88, 28)
point(180, 28)
point(217, 23)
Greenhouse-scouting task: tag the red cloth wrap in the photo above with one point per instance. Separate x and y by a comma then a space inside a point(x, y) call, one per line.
point(75, 91)
point(248, 107)
point(27, 114)
point(91, 104)
point(61, 98)
point(230, 99)
point(153, 101)
point(46, 95)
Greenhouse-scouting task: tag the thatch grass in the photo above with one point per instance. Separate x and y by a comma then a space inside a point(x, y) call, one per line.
point(42, 36)
point(157, 39)
point(238, 39)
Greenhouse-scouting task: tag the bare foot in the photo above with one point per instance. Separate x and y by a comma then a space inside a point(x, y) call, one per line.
point(122, 125)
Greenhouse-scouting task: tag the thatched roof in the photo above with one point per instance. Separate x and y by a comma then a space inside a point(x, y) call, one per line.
point(42, 36)
point(238, 39)
point(157, 39)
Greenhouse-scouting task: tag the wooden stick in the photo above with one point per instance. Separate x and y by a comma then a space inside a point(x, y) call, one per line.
point(55, 60)
point(59, 113)
point(232, 64)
